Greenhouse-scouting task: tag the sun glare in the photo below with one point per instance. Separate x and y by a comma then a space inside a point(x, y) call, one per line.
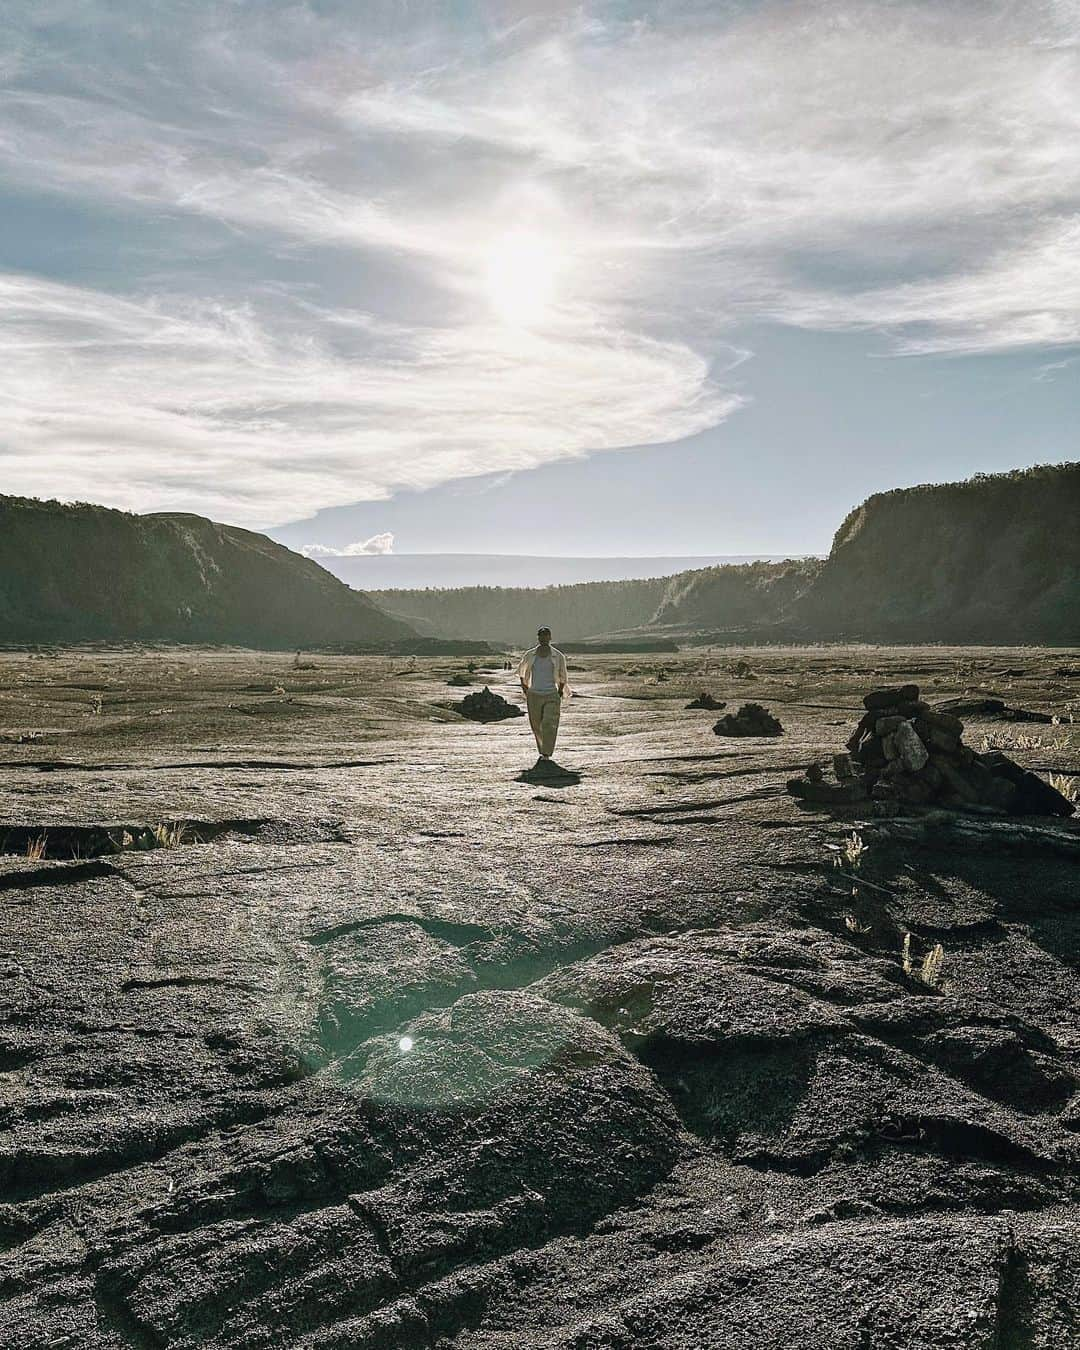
point(520, 281)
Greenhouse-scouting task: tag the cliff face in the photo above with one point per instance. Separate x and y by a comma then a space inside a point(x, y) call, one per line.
point(741, 597)
point(993, 559)
point(71, 573)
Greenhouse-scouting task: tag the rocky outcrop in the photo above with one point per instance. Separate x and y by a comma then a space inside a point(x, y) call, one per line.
point(78, 573)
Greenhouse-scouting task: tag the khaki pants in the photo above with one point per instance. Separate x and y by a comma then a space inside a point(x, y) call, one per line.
point(544, 710)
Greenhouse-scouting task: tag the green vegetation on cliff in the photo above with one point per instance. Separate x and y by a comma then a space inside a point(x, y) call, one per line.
point(992, 559)
point(80, 572)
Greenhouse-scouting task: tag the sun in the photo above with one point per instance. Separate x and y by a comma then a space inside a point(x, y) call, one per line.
point(522, 271)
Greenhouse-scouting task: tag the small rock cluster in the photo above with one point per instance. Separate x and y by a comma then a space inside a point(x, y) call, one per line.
point(751, 720)
point(905, 753)
point(706, 700)
point(484, 706)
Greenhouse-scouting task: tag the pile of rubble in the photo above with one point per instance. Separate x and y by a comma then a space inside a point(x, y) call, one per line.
point(484, 706)
point(751, 720)
point(905, 753)
point(706, 700)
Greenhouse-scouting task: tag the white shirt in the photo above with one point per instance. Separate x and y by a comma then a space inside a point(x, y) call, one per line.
point(543, 675)
point(525, 670)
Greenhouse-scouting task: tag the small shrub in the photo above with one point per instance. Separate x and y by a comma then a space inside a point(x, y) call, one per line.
point(35, 849)
point(1067, 785)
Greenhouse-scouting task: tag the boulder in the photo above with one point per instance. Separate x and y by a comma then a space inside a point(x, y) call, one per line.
point(909, 748)
point(751, 720)
point(891, 697)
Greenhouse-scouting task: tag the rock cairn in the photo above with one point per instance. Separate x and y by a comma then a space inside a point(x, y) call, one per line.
point(905, 753)
point(707, 701)
point(484, 706)
point(751, 720)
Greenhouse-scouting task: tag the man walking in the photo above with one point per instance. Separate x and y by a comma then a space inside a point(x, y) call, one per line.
point(542, 672)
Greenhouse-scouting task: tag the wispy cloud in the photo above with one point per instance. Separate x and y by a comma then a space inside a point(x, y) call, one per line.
point(911, 168)
point(377, 544)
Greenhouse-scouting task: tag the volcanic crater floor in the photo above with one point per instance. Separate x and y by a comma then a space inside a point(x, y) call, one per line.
point(331, 1021)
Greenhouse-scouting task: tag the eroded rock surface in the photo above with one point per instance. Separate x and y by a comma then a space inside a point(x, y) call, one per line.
point(396, 1046)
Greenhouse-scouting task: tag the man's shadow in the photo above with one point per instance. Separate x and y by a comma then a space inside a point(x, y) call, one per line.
point(550, 774)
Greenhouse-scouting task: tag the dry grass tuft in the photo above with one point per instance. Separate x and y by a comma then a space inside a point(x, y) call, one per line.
point(35, 849)
point(928, 971)
point(170, 835)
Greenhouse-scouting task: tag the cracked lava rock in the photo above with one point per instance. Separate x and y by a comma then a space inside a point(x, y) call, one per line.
point(392, 1049)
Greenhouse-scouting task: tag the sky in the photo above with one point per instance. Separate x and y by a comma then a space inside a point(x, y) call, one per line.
point(680, 277)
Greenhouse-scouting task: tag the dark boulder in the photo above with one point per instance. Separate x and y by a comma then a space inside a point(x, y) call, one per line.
point(751, 720)
point(484, 706)
point(990, 707)
point(891, 697)
point(705, 700)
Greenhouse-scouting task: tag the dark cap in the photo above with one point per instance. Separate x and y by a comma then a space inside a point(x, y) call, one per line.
point(543, 629)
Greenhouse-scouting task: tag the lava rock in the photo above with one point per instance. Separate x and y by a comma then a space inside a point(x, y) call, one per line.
point(705, 700)
point(920, 760)
point(909, 749)
point(891, 697)
point(992, 708)
point(484, 706)
point(751, 720)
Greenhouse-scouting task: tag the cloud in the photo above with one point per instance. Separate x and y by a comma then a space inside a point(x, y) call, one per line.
point(297, 311)
point(377, 544)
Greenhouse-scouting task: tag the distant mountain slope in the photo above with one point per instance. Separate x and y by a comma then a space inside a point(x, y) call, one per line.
point(512, 614)
point(70, 573)
point(373, 572)
point(716, 597)
point(993, 559)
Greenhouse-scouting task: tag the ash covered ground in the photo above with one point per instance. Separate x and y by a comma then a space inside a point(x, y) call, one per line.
point(329, 1023)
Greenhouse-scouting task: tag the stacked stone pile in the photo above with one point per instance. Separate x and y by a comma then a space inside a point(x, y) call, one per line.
point(484, 706)
point(905, 753)
point(751, 720)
